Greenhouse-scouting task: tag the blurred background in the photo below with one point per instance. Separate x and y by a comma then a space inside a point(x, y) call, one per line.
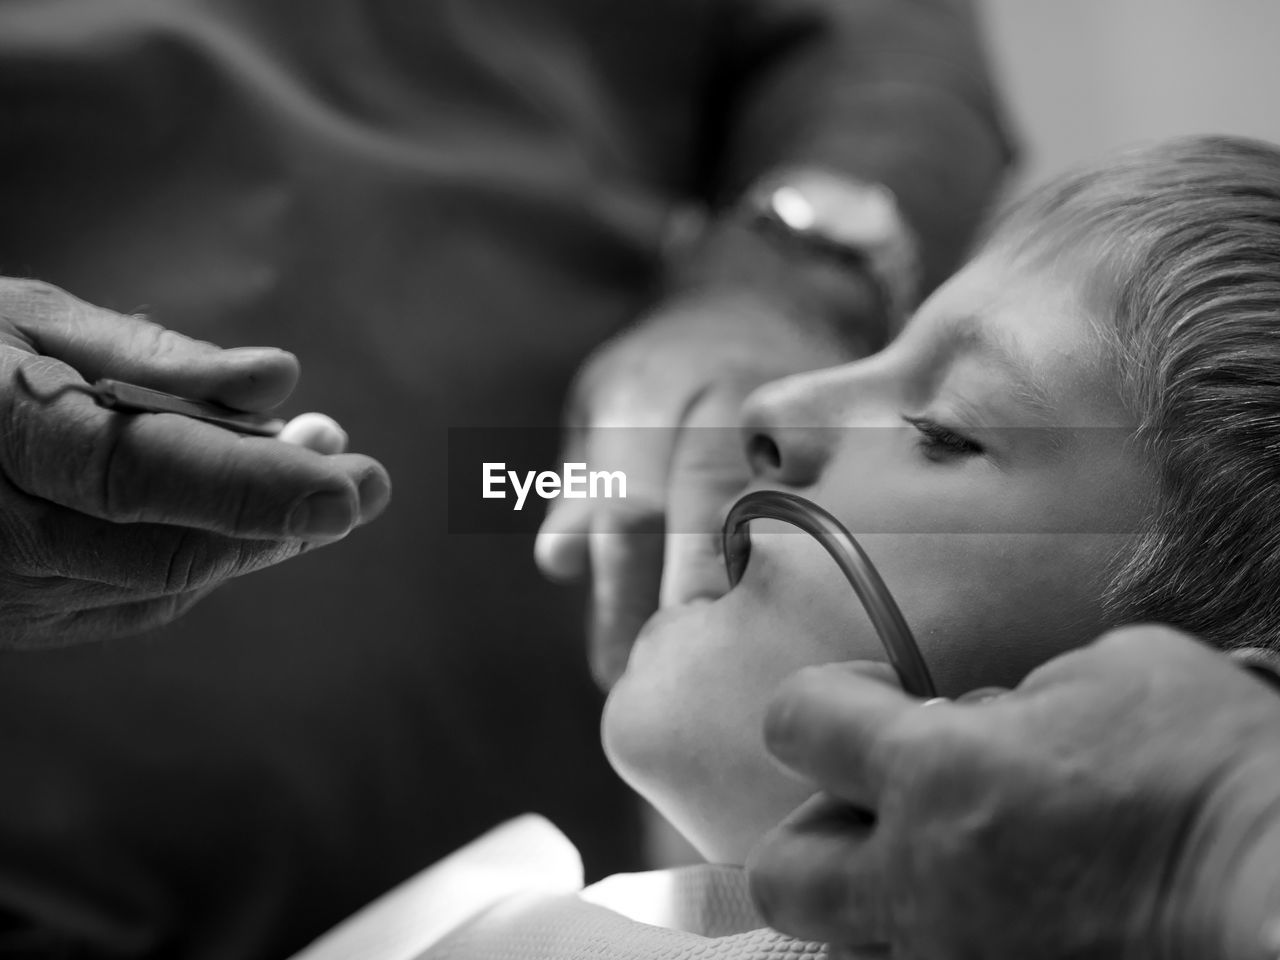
point(1085, 76)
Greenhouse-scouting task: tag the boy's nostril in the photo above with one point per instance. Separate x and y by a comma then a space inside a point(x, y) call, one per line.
point(763, 453)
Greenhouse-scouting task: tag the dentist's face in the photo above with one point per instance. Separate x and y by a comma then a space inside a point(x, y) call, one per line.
point(981, 460)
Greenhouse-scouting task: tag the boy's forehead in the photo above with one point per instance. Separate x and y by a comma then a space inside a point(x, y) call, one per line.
point(1016, 308)
point(1026, 318)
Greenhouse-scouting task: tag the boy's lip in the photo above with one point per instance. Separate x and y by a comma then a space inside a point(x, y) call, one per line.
point(662, 617)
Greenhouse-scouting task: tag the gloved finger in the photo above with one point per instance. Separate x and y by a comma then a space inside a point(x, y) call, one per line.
point(626, 568)
point(561, 547)
point(707, 470)
point(569, 533)
point(692, 568)
point(101, 343)
point(170, 469)
point(818, 875)
point(844, 728)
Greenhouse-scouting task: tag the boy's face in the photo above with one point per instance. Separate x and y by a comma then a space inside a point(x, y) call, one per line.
point(981, 460)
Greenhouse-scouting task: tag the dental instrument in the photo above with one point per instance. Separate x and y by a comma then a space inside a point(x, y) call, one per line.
point(895, 636)
point(131, 398)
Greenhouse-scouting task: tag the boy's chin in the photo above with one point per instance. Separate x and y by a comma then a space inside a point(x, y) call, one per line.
point(650, 716)
point(722, 797)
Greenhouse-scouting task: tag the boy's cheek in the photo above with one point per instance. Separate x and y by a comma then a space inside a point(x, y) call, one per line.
point(987, 610)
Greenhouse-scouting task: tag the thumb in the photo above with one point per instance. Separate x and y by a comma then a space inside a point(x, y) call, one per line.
point(96, 342)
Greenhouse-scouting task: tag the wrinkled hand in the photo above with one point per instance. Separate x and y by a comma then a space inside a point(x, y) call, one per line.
point(661, 403)
point(110, 523)
point(1124, 801)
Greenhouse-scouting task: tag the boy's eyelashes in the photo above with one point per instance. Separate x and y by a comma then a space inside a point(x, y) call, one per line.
point(940, 443)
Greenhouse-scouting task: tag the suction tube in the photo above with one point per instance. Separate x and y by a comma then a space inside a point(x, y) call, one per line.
point(895, 635)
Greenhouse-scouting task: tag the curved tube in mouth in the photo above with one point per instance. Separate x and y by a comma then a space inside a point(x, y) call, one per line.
point(895, 635)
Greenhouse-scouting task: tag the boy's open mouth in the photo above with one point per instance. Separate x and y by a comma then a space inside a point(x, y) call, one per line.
point(696, 605)
point(666, 617)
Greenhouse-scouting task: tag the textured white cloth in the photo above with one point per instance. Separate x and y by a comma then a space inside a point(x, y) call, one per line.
point(705, 914)
point(515, 894)
point(522, 857)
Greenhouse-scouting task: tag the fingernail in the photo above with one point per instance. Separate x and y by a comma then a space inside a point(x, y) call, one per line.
point(375, 494)
point(560, 556)
point(323, 515)
point(254, 354)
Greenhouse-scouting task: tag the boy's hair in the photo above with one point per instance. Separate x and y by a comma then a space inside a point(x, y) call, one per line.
point(1183, 239)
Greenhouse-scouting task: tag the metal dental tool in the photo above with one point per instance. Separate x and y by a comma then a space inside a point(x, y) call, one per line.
point(130, 398)
point(895, 635)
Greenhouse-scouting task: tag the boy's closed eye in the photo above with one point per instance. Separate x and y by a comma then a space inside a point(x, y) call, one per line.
point(942, 444)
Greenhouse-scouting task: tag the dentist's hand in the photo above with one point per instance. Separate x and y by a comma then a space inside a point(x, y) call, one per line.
point(1122, 802)
point(661, 403)
point(112, 523)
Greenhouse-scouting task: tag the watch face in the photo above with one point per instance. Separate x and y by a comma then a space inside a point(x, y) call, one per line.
point(843, 211)
point(793, 208)
point(837, 213)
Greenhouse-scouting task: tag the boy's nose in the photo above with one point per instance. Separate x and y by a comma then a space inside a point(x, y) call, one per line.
point(790, 428)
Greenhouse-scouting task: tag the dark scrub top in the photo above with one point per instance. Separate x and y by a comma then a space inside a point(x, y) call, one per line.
point(441, 206)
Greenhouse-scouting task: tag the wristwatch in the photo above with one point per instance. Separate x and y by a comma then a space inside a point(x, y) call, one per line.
point(854, 222)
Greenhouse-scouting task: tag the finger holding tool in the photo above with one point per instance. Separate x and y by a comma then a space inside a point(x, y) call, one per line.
point(315, 431)
point(120, 511)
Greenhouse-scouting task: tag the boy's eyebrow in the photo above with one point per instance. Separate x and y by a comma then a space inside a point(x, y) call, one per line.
point(970, 334)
